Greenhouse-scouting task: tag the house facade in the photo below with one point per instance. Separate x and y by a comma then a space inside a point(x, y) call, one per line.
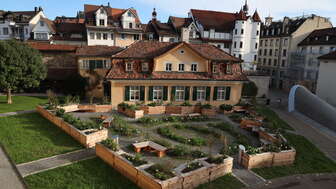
point(111, 26)
point(24, 25)
point(326, 89)
point(279, 41)
point(174, 73)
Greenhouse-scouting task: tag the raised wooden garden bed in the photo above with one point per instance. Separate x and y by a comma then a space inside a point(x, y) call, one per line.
point(136, 114)
point(88, 108)
point(154, 110)
point(209, 112)
point(247, 123)
point(183, 110)
point(88, 140)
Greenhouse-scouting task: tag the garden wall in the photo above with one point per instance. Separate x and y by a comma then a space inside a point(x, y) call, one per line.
point(268, 159)
point(136, 114)
point(153, 110)
point(90, 107)
point(146, 181)
point(88, 141)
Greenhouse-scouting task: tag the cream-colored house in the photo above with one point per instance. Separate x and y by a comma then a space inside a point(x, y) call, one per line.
point(326, 87)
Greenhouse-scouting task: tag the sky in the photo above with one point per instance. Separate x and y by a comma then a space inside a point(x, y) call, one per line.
point(165, 8)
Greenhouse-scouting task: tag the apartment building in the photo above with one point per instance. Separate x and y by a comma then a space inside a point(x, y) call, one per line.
point(279, 40)
point(112, 26)
point(24, 25)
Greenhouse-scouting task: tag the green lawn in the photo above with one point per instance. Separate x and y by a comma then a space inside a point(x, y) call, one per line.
point(273, 117)
point(94, 173)
point(29, 137)
point(225, 182)
point(20, 103)
point(88, 174)
point(309, 159)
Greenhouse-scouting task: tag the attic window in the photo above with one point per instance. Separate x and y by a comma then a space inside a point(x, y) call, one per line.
point(145, 67)
point(129, 14)
point(327, 38)
point(129, 67)
point(181, 51)
point(102, 11)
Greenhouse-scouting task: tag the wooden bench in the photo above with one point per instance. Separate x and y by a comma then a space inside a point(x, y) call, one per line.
point(150, 146)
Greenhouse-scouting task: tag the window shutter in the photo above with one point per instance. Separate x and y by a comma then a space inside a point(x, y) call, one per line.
point(127, 93)
point(215, 93)
point(142, 93)
point(165, 93)
point(208, 91)
point(195, 94)
point(186, 93)
point(173, 90)
point(227, 93)
point(150, 93)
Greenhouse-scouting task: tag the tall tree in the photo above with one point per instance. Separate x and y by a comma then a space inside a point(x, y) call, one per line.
point(21, 67)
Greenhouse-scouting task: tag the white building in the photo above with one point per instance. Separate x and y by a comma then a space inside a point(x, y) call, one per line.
point(235, 33)
point(24, 25)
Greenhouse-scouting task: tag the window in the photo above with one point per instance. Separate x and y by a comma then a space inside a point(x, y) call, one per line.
point(179, 93)
point(194, 67)
point(284, 52)
point(102, 22)
point(240, 56)
point(275, 62)
point(276, 52)
point(271, 42)
point(169, 67)
point(255, 57)
point(144, 67)
point(130, 25)
point(157, 93)
point(265, 52)
point(235, 44)
point(277, 42)
point(221, 93)
point(85, 64)
point(98, 35)
point(321, 50)
point(241, 44)
point(136, 37)
point(261, 43)
point(228, 68)
point(285, 42)
point(105, 36)
point(41, 23)
point(129, 14)
point(181, 51)
point(26, 30)
point(271, 52)
point(257, 32)
point(236, 31)
point(200, 93)
point(112, 37)
point(150, 36)
point(269, 62)
point(283, 64)
point(171, 39)
point(134, 93)
point(242, 31)
point(191, 34)
point(106, 64)
point(41, 36)
point(129, 67)
point(226, 45)
point(260, 52)
point(92, 35)
point(181, 68)
point(122, 36)
point(214, 68)
point(266, 43)
point(256, 46)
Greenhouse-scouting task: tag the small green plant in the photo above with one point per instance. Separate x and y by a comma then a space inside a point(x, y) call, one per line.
point(53, 101)
point(206, 106)
point(198, 154)
point(111, 144)
point(68, 100)
point(122, 127)
point(156, 103)
point(226, 107)
point(149, 120)
point(192, 166)
point(105, 100)
point(252, 150)
point(216, 160)
point(179, 151)
point(186, 103)
point(60, 112)
point(160, 172)
point(136, 160)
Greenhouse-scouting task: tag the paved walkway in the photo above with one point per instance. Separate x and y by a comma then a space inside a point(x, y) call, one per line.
point(9, 177)
point(248, 178)
point(16, 113)
point(53, 162)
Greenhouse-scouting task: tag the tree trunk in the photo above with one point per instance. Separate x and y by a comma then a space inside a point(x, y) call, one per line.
point(9, 96)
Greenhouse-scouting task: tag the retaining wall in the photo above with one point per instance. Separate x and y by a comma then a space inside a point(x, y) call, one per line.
point(136, 114)
point(88, 141)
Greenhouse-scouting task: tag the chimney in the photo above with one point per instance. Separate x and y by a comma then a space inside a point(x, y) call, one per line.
point(35, 9)
point(108, 4)
point(154, 14)
point(40, 9)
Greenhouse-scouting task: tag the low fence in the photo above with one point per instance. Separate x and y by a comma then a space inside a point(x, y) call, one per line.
point(268, 159)
point(144, 180)
point(87, 140)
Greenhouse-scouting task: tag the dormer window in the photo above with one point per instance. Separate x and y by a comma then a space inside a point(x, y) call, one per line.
point(181, 51)
point(129, 14)
point(102, 22)
point(41, 23)
point(327, 38)
point(130, 25)
point(102, 11)
point(194, 67)
point(129, 67)
point(214, 68)
point(228, 68)
point(181, 68)
point(145, 67)
point(169, 67)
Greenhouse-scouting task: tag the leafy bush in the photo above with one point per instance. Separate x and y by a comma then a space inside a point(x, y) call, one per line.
point(157, 103)
point(53, 101)
point(166, 132)
point(206, 106)
point(179, 126)
point(80, 124)
point(250, 89)
point(241, 139)
point(252, 150)
point(111, 144)
point(197, 141)
point(236, 117)
point(216, 160)
point(179, 151)
point(226, 107)
point(136, 160)
point(186, 103)
point(129, 106)
point(149, 120)
point(122, 127)
point(162, 142)
point(192, 166)
point(60, 112)
point(160, 172)
point(198, 154)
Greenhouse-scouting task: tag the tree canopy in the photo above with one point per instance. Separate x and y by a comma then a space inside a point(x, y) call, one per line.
point(20, 66)
point(250, 89)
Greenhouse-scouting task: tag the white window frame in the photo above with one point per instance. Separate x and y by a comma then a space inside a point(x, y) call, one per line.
point(157, 93)
point(92, 35)
point(106, 64)
point(86, 64)
point(194, 67)
point(145, 67)
point(134, 93)
point(180, 93)
point(181, 67)
point(41, 36)
point(105, 36)
point(128, 67)
point(168, 67)
point(98, 36)
point(221, 93)
point(100, 22)
point(200, 93)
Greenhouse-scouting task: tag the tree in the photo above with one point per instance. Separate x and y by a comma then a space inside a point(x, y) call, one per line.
point(250, 89)
point(21, 67)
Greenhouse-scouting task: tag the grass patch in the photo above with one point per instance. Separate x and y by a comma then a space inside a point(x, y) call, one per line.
point(227, 182)
point(29, 137)
point(309, 159)
point(20, 103)
point(272, 117)
point(88, 174)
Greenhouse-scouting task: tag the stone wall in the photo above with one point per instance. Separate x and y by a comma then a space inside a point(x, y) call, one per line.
point(268, 159)
point(88, 141)
point(144, 180)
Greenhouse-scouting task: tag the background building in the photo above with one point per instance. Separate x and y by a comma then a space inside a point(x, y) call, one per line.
point(279, 40)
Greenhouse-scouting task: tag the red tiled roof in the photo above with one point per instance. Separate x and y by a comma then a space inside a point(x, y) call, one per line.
point(319, 37)
point(51, 47)
point(256, 17)
point(179, 22)
point(159, 28)
point(98, 50)
point(220, 21)
point(241, 15)
point(330, 56)
point(73, 20)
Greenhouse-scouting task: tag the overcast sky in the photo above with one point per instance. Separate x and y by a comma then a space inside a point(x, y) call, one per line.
point(165, 8)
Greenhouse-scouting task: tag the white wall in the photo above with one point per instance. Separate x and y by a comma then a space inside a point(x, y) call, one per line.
point(326, 87)
point(126, 20)
point(42, 29)
point(101, 14)
point(110, 41)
